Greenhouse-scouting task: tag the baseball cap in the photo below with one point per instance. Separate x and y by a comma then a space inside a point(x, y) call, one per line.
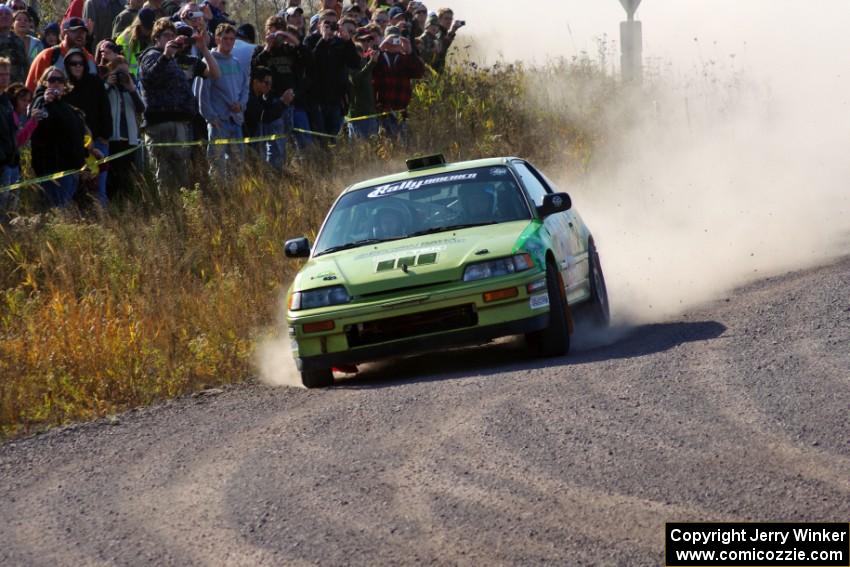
point(292, 10)
point(184, 29)
point(5, 8)
point(392, 31)
point(395, 11)
point(74, 24)
point(247, 33)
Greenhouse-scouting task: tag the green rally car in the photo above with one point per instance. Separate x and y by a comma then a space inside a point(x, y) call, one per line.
point(444, 254)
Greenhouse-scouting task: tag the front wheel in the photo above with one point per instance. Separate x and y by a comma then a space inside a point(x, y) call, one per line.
point(322, 378)
point(554, 340)
point(600, 310)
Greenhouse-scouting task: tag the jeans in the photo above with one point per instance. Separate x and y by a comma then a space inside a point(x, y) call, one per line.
point(103, 147)
point(395, 127)
point(275, 151)
point(61, 192)
point(301, 120)
point(224, 158)
point(8, 199)
point(326, 118)
point(363, 128)
point(171, 165)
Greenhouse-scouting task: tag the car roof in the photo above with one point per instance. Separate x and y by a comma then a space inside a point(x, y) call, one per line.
point(445, 168)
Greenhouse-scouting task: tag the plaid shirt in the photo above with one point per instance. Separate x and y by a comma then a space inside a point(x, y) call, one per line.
point(391, 79)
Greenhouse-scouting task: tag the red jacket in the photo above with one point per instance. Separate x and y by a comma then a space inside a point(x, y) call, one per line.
point(392, 77)
point(75, 10)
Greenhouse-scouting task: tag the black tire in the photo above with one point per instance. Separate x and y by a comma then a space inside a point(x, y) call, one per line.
point(600, 309)
point(554, 340)
point(323, 378)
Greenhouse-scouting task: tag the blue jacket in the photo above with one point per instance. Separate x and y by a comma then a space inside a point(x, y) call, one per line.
point(217, 94)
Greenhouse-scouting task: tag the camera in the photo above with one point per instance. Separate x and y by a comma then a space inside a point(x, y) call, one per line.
point(460, 23)
point(395, 40)
point(182, 41)
point(333, 25)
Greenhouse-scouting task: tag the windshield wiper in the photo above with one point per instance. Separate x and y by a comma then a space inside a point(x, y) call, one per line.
point(356, 244)
point(450, 227)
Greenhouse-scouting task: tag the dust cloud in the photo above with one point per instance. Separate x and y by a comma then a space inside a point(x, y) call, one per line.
point(732, 162)
point(273, 356)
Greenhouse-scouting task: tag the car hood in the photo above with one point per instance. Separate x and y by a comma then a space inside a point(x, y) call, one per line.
point(410, 262)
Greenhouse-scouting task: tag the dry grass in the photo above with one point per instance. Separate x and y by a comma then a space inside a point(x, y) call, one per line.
point(156, 299)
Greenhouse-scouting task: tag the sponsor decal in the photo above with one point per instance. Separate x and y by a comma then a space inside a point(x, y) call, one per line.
point(413, 184)
point(539, 301)
point(499, 171)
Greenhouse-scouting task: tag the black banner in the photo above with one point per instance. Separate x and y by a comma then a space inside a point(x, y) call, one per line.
point(740, 544)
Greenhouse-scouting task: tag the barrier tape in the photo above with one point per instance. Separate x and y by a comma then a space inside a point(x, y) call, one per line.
point(217, 142)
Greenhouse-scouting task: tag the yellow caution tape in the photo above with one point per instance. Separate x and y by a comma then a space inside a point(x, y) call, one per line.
point(93, 166)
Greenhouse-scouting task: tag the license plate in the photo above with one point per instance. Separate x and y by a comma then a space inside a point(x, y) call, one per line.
point(539, 301)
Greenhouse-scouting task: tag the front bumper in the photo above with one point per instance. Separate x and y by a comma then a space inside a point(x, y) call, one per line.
point(470, 336)
point(428, 319)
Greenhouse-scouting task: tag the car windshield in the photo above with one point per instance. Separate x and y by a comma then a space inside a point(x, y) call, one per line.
point(424, 205)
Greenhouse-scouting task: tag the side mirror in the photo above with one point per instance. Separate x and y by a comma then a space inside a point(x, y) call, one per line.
point(554, 203)
point(297, 248)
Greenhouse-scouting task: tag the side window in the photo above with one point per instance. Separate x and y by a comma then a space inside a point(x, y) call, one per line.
point(536, 189)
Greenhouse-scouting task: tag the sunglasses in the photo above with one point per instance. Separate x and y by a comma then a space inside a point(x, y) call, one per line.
point(54, 80)
point(382, 20)
point(75, 63)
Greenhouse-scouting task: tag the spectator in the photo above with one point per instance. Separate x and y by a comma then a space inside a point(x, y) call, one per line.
point(74, 9)
point(335, 5)
point(243, 51)
point(448, 31)
point(333, 55)
point(283, 54)
point(11, 46)
point(216, 14)
point(193, 16)
point(223, 100)
point(429, 43)
point(58, 143)
point(135, 39)
point(21, 98)
point(126, 106)
point(9, 159)
point(106, 51)
point(159, 10)
point(171, 7)
point(103, 14)
point(22, 26)
point(355, 13)
point(123, 20)
point(420, 17)
point(294, 16)
point(89, 95)
point(362, 93)
point(264, 112)
point(382, 18)
point(169, 102)
point(73, 36)
point(392, 77)
point(50, 35)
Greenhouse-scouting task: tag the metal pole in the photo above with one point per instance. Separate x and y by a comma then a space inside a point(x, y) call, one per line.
point(631, 44)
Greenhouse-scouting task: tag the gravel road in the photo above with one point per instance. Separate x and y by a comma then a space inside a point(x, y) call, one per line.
point(738, 410)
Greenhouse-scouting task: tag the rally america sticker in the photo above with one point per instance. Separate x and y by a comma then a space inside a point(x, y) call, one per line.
point(539, 301)
point(412, 184)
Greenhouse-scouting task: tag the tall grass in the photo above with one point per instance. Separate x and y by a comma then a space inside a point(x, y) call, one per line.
point(164, 296)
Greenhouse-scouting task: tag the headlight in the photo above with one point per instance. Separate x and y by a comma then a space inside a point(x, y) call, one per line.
point(321, 297)
point(500, 267)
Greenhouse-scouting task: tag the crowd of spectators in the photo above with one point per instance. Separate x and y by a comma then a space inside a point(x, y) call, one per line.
point(113, 77)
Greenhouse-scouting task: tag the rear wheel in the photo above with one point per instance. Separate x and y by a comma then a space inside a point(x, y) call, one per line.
point(322, 378)
point(600, 312)
point(554, 340)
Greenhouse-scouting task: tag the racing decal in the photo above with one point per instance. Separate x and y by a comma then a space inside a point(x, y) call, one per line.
point(412, 184)
point(411, 249)
point(539, 301)
point(498, 171)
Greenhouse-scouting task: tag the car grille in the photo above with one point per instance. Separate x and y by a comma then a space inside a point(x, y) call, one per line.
point(406, 326)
